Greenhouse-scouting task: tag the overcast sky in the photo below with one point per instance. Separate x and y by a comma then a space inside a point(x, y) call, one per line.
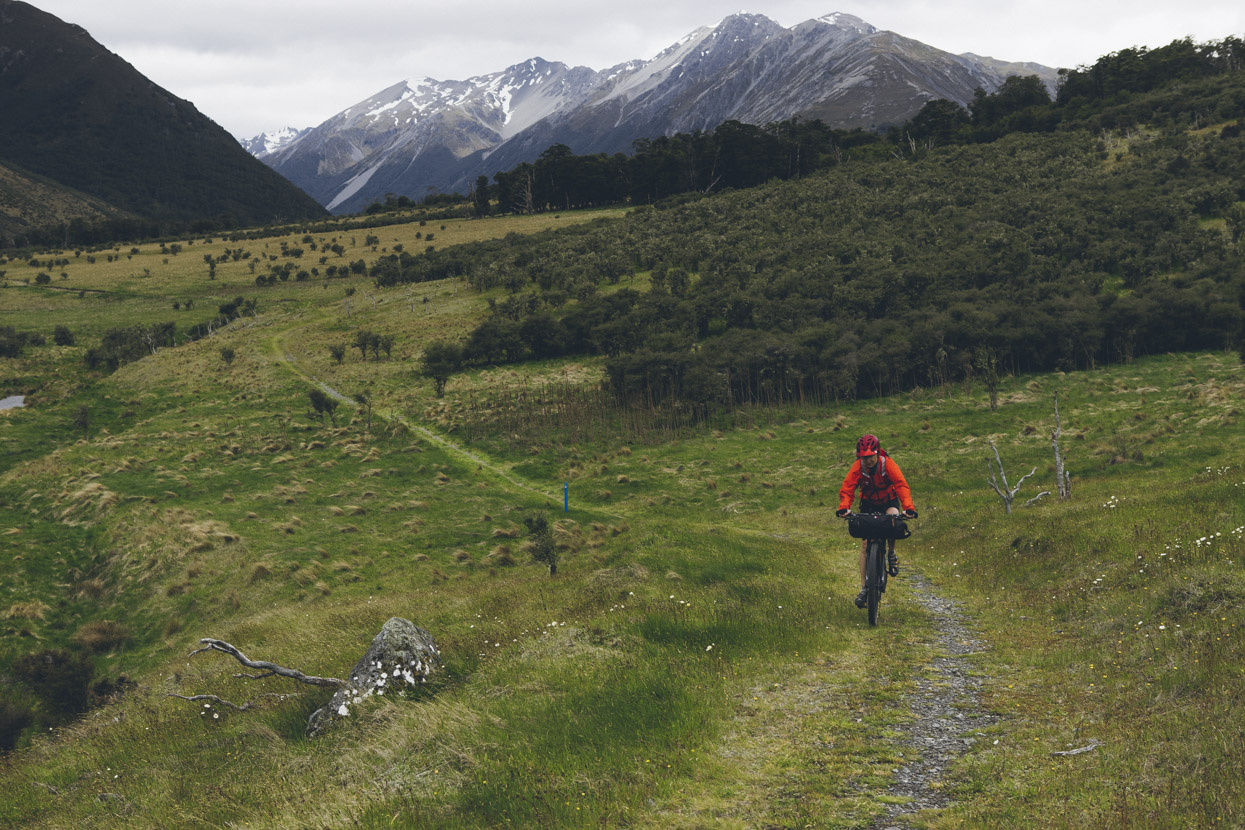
point(255, 65)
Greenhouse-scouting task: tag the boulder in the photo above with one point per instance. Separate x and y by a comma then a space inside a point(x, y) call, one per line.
point(402, 654)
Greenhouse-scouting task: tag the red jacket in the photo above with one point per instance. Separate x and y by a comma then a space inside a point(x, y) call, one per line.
point(882, 486)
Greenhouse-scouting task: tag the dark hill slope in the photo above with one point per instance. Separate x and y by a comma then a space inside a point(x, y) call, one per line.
point(28, 203)
point(74, 112)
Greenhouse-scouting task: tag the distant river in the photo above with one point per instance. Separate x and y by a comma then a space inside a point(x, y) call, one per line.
point(13, 402)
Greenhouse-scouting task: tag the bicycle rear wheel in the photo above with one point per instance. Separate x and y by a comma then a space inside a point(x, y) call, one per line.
point(875, 563)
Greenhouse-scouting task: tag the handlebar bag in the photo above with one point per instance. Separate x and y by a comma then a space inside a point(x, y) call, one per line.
point(868, 526)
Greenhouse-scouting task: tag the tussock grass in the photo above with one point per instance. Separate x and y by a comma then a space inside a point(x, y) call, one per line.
point(101, 635)
point(34, 610)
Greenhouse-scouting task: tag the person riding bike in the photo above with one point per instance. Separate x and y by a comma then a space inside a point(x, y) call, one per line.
point(883, 489)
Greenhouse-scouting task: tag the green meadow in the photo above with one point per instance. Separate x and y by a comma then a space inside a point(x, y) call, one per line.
point(696, 661)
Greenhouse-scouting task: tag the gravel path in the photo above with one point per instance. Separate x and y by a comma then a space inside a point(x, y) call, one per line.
point(947, 706)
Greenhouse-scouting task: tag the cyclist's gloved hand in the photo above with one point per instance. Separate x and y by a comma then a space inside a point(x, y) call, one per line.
point(841, 512)
point(911, 514)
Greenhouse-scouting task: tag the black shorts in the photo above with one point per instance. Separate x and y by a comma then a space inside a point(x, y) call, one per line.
point(879, 507)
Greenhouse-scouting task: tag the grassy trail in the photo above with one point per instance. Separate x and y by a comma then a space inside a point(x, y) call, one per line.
point(287, 360)
point(786, 716)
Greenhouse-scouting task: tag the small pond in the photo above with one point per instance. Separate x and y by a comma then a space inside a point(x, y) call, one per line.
point(12, 402)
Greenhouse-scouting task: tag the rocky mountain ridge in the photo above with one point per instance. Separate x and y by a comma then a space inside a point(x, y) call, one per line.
point(417, 137)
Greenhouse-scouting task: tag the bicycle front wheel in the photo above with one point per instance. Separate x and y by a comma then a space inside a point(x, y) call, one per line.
point(875, 563)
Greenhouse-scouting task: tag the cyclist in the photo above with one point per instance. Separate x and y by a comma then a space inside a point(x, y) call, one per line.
point(883, 489)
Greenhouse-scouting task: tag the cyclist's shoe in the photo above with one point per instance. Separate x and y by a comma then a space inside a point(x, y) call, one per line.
point(892, 563)
point(862, 598)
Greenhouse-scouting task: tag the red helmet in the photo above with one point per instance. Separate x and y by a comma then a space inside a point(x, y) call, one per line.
point(867, 445)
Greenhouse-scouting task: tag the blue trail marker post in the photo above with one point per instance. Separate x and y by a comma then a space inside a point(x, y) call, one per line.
point(566, 497)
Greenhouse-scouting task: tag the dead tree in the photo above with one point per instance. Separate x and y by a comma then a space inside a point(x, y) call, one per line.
point(1006, 493)
point(1063, 482)
point(402, 654)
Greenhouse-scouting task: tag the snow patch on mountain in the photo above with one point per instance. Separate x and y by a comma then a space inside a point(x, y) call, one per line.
point(270, 141)
point(353, 186)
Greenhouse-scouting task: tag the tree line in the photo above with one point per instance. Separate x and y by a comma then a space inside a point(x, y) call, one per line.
point(732, 156)
point(736, 155)
point(1181, 84)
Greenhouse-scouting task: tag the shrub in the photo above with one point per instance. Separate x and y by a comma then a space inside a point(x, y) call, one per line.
point(323, 404)
point(540, 542)
point(103, 635)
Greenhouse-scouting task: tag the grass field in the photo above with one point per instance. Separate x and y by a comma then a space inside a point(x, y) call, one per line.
point(695, 662)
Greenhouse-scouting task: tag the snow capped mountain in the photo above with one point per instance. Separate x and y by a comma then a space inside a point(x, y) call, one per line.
point(269, 142)
point(440, 135)
point(414, 129)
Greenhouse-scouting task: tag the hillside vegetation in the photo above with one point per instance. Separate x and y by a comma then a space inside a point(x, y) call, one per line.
point(242, 438)
point(26, 203)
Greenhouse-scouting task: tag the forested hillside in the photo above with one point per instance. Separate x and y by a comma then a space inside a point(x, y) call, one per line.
point(1033, 252)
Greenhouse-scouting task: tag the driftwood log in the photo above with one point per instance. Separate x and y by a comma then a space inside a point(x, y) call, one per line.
point(402, 654)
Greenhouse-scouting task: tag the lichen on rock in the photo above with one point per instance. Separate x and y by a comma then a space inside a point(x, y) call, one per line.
point(402, 654)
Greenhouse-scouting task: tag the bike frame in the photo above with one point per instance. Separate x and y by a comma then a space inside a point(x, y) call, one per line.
point(875, 570)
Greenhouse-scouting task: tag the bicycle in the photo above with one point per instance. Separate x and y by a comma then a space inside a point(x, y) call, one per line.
point(876, 529)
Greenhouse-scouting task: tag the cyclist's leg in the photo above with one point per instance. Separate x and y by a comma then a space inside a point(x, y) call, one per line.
point(860, 598)
point(892, 561)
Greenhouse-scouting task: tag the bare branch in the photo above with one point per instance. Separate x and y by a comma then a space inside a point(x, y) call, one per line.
point(1016, 489)
point(1092, 746)
point(1006, 493)
point(992, 482)
point(1038, 496)
point(224, 702)
point(272, 668)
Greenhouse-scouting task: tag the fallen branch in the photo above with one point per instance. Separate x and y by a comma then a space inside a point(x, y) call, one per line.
point(271, 669)
point(224, 702)
point(1092, 746)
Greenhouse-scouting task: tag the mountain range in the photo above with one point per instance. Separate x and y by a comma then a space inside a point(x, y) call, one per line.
point(80, 122)
point(427, 136)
